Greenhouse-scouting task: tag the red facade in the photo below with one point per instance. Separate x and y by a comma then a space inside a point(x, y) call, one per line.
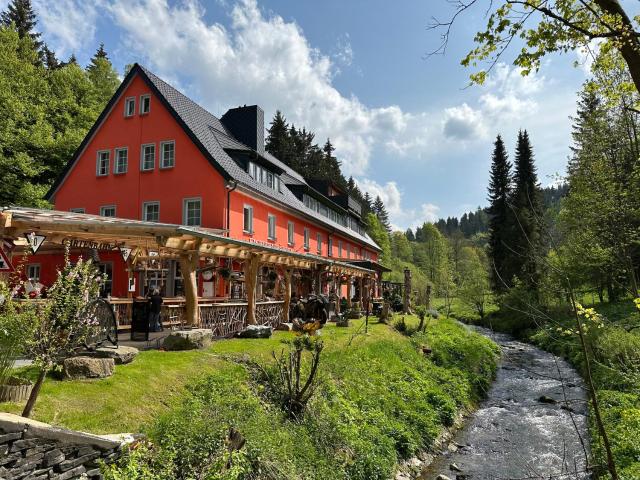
point(191, 177)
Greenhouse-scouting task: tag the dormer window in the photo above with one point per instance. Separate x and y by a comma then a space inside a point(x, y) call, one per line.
point(264, 176)
point(129, 106)
point(145, 104)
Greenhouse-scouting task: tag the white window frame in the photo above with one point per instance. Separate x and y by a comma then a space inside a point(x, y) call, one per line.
point(144, 210)
point(77, 210)
point(127, 102)
point(116, 158)
point(98, 162)
point(330, 246)
point(319, 242)
point(35, 266)
point(348, 249)
point(291, 233)
point(103, 208)
point(339, 248)
point(142, 99)
point(307, 238)
point(163, 164)
point(185, 203)
point(271, 226)
point(142, 157)
point(247, 212)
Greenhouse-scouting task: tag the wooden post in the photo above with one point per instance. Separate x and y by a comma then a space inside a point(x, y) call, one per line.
point(360, 292)
point(407, 291)
point(349, 292)
point(338, 285)
point(188, 265)
point(287, 295)
point(251, 266)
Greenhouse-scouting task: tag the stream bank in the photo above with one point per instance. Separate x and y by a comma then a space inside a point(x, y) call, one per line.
point(533, 423)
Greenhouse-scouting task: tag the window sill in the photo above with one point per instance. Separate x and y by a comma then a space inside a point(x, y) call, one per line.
point(167, 168)
point(272, 240)
point(119, 173)
point(147, 170)
point(245, 232)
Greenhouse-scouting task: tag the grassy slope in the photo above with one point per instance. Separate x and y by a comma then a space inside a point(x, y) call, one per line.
point(380, 400)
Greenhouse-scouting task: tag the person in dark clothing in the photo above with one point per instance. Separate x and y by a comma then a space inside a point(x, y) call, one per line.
point(155, 306)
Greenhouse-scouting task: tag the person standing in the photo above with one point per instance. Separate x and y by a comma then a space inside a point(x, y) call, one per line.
point(155, 307)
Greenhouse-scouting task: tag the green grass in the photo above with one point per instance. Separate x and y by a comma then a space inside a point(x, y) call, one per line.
point(380, 400)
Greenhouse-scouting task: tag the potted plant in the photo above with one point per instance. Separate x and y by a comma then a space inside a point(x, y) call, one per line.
point(224, 272)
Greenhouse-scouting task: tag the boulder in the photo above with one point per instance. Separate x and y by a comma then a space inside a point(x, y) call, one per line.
point(88, 367)
point(188, 339)
point(121, 355)
point(442, 477)
point(546, 399)
point(256, 331)
point(286, 327)
point(342, 321)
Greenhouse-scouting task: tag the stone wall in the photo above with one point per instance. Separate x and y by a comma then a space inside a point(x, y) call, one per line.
point(31, 450)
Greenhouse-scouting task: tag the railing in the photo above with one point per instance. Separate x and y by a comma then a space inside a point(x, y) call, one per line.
point(225, 319)
point(269, 313)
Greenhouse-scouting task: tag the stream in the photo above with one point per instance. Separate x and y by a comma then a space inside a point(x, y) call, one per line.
point(527, 426)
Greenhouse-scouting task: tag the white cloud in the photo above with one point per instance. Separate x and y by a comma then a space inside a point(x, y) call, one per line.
point(401, 217)
point(69, 25)
point(463, 123)
point(261, 58)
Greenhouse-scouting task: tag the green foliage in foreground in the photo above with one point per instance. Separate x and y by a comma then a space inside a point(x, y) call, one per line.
point(380, 401)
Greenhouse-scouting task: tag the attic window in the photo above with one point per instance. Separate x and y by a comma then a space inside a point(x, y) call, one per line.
point(129, 106)
point(145, 104)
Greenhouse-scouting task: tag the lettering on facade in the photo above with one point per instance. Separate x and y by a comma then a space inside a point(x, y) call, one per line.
point(73, 243)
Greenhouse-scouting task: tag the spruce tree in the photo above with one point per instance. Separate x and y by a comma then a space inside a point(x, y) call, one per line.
point(51, 62)
point(278, 141)
point(20, 14)
point(410, 236)
point(500, 185)
point(526, 202)
point(381, 212)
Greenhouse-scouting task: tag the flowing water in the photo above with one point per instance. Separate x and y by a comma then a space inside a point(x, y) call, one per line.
point(530, 425)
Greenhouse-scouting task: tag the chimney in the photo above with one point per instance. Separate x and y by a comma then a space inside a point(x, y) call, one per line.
point(247, 125)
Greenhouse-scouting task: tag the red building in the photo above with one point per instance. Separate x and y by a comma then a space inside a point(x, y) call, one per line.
point(155, 155)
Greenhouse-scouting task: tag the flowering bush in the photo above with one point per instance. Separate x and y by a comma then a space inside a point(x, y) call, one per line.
point(64, 322)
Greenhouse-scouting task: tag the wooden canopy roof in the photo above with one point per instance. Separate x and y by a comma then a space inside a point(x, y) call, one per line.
point(82, 230)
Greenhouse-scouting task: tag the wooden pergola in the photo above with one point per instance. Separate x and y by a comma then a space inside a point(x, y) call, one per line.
point(186, 244)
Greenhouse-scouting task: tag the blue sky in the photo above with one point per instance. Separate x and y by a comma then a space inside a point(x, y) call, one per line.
point(405, 125)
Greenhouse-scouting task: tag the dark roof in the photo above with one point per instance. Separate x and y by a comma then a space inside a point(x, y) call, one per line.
point(212, 138)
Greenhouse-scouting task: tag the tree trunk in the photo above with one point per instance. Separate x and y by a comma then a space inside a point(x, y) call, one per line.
point(34, 393)
point(629, 45)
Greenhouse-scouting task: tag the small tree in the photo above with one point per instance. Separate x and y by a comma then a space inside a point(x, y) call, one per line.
point(473, 285)
point(64, 322)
